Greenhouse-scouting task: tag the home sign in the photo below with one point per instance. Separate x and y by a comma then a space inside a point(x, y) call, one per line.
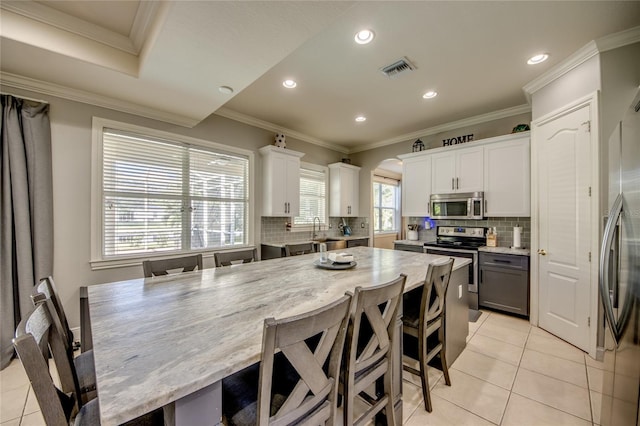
point(457, 140)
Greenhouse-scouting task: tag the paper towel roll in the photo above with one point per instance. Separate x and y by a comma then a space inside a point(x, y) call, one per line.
point(517, 233)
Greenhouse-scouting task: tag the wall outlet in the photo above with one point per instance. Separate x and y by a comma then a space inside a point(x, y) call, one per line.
point(362, 225)
point(330, 226)
point(460, 291)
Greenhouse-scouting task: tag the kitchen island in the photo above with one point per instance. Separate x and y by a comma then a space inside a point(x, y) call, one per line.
point(172, 339)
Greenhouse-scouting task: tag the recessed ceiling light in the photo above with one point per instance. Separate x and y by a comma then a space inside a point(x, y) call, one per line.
point(430, 94)
point(361, 118)
point(538, 59)
point(225, 89)
point(364, 36)
point(289, 84)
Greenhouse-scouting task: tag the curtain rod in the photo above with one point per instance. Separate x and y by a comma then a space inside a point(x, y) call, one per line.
point(26, 98)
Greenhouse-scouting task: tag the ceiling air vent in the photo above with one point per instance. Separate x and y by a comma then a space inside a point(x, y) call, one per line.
point(398, 67)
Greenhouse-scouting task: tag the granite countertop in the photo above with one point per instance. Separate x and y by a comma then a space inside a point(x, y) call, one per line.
point(507, 250)
point(149, 334)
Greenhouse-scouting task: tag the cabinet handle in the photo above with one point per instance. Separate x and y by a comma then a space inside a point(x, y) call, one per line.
point(501, 261)
point(485, 206)
point(457, 184)
point(453, 185)
point(481, 276)
point(429, 208)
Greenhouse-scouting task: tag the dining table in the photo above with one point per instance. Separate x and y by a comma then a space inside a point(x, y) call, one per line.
point(169, 341)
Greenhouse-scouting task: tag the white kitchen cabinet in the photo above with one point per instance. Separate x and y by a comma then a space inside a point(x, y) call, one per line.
point(281, 181)
point(507, 186)
point(344, 182)
point(416, 186)
point(457, 171)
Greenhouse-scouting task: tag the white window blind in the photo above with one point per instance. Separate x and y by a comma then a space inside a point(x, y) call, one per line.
point(313, 196)
point(164, 196)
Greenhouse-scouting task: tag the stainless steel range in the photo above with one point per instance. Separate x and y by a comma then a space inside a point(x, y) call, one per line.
point(462, 241)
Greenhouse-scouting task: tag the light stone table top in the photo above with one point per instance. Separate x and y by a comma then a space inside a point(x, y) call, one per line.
point(157, 340)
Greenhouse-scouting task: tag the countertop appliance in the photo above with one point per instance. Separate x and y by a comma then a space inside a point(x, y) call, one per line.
point(462, 241)
point(619, 278)
point(463, 205)
point(344, 228)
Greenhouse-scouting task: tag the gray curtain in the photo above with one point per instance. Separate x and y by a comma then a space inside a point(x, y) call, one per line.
point(26, 211)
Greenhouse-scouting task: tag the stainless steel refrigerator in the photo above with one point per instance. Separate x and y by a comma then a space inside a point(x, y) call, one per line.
point(620, 276)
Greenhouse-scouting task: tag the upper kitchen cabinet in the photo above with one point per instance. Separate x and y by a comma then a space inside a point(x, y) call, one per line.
point(507, 181)
point(458, 171)
point(344, 181)
point(416, 185)
point(281, 181)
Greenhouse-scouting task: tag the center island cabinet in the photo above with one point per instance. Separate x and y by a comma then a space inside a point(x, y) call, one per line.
point(224, 310)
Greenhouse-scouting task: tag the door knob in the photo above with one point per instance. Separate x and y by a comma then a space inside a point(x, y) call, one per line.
point(542, 252)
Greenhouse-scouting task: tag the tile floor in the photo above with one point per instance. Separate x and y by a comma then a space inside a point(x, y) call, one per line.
point(509, 374)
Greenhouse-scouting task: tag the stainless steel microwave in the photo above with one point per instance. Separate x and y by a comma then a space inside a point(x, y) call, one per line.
point(467, 205)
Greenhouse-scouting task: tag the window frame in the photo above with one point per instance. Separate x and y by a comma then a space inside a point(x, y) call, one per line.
point(324, 221)
point(98, 260)
point(383, 180)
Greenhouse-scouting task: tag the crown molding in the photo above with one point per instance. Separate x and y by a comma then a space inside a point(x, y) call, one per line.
point(620, 39)
point(471, 121)
point(38, 86)
point(252, 121)
point(143, 22)
point(576, 59)
point(588, 51)
point(49, 16)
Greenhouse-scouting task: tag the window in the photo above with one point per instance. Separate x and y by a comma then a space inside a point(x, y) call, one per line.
point(160, 195)
point(385, 204)
point(313, 195)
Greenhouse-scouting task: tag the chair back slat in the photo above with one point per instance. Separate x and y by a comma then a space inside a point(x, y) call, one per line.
point(368, 353)
point(32, 333)
point(380, 306)
point(423, 318)
point(46, 288)
point(317, 368)
point(165, 266)
point(233, 257)
point(435, 290)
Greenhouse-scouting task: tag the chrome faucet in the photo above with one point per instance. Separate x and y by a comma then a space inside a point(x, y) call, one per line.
point(314, 235)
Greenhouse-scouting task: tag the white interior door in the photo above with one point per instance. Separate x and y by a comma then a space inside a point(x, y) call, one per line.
point(564, 226)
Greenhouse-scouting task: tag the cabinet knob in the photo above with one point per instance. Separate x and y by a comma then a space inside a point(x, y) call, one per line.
point(542, 252)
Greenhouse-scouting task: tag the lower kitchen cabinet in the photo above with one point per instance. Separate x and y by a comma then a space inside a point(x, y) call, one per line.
point(408, 247)
point(357, 242)
point(504, 282)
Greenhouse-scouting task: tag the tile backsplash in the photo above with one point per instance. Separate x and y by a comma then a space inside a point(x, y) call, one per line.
point(275, 230)
point(504, 227)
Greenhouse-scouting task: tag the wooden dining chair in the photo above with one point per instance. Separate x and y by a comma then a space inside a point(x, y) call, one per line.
point(165, 266)
point(83, 363)
point(298, 249)
point(422, 318)
point(368, 351)
point(297, 380)
point(36, 337)
point(228, 258)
